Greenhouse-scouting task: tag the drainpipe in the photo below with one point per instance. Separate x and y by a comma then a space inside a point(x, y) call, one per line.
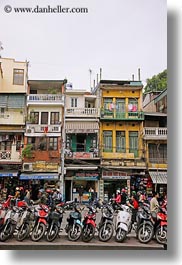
point(62, 190)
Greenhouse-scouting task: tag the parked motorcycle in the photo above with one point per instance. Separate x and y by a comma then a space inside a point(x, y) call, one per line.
point(25, 222)
point(160, 226)
point(74, 225)
point(123, 222)
point(106, 225)
point(9, 223)
point(54, 223)
point(145, 227)
point(89, 224)
point(42, 212)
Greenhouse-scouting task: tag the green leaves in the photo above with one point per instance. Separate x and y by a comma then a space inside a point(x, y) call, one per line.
point(157, 82)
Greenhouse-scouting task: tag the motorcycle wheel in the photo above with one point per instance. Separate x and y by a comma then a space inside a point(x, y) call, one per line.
point(23, 232)
point(161, 238)
point(120, 235)
point(52, 233)
point(7, 233)
point(74, 235)
point(37, 236)
point(144, 236)
point(88, 233)
point(106, 234)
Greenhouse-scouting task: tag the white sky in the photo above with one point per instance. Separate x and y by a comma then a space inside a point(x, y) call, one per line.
point(119, 36)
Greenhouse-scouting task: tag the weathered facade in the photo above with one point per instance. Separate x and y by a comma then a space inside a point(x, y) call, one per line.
point(121, 124)
point(13, 88)
point(42, 151)
point(81, 144)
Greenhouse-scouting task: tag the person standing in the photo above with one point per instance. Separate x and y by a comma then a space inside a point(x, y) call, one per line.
point(80, 192)
point(154, 204)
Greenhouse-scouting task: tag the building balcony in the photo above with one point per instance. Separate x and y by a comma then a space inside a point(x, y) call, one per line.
point(40, 130)
point(115, 115)
point(10, 157)
point(154, 133)
point(42, 99)
point(82, 112)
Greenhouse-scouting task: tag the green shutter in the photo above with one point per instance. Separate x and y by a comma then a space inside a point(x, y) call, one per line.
point(133, 142)
point(73, 143)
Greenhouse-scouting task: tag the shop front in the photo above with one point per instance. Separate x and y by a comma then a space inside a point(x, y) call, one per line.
point(81, 180)
point(35, 181)
point(114, 181)
point(159, 180)
point(8, 181)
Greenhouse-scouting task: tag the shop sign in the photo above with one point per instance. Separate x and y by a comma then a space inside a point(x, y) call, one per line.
point(86, 176)
point(8, 174)
point(114, 175)
point(78, 155)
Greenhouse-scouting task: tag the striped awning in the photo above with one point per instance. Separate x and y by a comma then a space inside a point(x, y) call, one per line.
point(158, 177)
point(12, 101)
point(81, 127)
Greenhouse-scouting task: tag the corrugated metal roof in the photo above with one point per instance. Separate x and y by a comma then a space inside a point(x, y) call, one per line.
point(158, 177)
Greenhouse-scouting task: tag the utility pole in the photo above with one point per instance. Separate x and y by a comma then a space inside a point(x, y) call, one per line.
point(1, 48)
point(90, 71)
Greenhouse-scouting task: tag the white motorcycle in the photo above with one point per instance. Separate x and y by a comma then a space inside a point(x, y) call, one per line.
point(123, 222)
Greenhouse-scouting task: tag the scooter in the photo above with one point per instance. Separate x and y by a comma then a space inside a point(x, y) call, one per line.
point(54, 223)
point(160, 226)
point(106, 225)
point(38, 231)
point(89, 224)
point(123, 222)
point(74, 225)
point(145, 225)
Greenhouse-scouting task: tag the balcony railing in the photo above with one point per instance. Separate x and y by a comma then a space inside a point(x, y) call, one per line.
point(155, 133)
point(82, 112)
point(45, 98)
point(36, 128)
point(13, 156)
point(116, 115)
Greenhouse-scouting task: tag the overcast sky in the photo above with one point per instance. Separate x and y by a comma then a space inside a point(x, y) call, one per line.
point(118, 36)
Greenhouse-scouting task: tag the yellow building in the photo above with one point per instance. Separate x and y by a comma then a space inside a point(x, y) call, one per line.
point(121, 126)
point(13, 86)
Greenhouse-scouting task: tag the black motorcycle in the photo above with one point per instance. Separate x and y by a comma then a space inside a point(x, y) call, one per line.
point(74, 225)
point(54, 222)
point(144, 227)
point(106, 225)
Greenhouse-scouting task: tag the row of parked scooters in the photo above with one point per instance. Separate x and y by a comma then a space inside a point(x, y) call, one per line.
point(23, 221)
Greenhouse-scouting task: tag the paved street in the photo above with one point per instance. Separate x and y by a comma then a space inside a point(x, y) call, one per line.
point(63, 243)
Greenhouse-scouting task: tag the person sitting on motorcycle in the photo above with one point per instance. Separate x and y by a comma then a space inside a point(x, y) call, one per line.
point(117, 200)
point(42, 198)
point(133, 203)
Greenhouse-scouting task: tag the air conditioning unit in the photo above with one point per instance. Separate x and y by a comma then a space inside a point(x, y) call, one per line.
point(27, 167)
point(30, 130)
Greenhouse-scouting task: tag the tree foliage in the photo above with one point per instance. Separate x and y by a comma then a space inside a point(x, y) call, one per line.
point(157, 82)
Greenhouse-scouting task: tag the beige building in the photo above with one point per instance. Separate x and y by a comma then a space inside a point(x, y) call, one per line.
point(13, 87)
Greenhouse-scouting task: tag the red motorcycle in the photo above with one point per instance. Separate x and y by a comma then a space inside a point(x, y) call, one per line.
point(38, 231)
point(89, 224)
point(4, 206)
point(161, 226)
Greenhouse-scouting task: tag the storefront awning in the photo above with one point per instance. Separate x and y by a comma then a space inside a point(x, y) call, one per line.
point(82, 127)
point(81, 167)
point(38, 176)
point(8, 174)
point(158, 177)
